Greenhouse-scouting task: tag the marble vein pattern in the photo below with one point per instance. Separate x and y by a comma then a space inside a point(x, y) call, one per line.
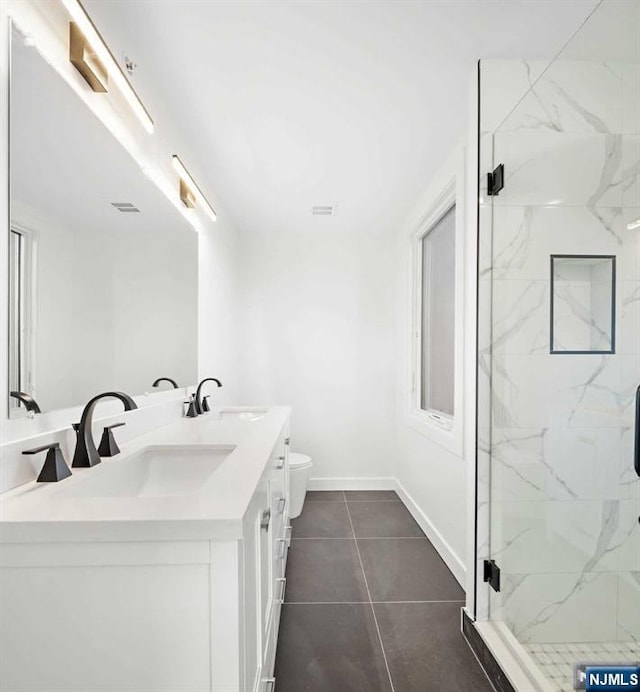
point(570, 97)
point(611, 177)
point(561, 607)
point(546, 168)
point(630, 176)
point(505, 83)
point(556, 484)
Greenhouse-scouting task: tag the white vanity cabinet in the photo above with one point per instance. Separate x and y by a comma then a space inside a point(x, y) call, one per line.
point(267, 536)
point(176, 604)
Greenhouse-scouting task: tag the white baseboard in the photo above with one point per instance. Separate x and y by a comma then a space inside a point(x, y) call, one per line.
point(352, 484)
point(451, 558)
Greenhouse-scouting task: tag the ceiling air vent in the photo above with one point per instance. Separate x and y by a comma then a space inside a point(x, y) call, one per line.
point(125, 207)
point(323, 210)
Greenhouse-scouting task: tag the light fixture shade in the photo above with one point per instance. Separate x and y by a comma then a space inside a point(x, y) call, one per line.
point(188, 182)
point(97, 48)
point(86, 61)
point(186, 195)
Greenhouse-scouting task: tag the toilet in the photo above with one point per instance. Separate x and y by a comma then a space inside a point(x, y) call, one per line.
point(299, 472)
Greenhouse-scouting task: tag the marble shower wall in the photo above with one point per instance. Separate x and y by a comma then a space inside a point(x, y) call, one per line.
point(556, 430)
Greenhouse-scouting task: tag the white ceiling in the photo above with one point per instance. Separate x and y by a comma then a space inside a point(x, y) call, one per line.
point(276, 106)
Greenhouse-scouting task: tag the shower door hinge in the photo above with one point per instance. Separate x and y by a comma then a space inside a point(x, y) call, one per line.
point(492, 574)
point(495, 181)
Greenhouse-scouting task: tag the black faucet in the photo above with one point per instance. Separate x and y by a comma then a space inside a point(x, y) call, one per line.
point(191, 409)
point(29, 402)
point(86, 453)
point(198, 402)
point(165, 379)
point(55, 467)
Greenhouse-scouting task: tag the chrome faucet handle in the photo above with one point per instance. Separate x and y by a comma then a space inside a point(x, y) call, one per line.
point(55, 466)
point(108, 446)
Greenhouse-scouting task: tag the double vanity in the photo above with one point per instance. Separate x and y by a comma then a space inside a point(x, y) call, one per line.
point(160, 569)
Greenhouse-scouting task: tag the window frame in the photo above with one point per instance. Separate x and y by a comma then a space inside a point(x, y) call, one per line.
point(27, 319)
point(444, 430)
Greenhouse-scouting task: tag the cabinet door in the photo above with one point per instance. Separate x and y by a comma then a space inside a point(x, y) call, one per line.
point(264, 573)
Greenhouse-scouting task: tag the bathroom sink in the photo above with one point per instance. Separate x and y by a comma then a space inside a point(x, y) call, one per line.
point(158, 471)
point(243, 414)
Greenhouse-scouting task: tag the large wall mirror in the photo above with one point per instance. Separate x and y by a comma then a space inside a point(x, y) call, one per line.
point(103, 268)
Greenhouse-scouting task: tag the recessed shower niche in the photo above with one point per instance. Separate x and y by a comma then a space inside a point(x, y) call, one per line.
point(583, 303)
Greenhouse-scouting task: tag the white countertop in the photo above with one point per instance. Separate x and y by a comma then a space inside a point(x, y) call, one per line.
point(40, 512)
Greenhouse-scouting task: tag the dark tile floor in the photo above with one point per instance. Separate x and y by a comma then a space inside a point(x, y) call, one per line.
point(370, 606)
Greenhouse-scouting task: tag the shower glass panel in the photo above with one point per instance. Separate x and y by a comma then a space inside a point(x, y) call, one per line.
point(558, 493)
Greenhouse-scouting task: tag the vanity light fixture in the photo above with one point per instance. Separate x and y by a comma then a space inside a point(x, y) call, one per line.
point(96, 60)
point(634, 225)
point(84, 59)
point(189, 191)
point(186, 195)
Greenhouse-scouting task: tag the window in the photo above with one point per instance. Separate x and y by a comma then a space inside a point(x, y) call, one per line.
point(21, 258)
point(16, 301)
point(438, 298)
point(436, 404)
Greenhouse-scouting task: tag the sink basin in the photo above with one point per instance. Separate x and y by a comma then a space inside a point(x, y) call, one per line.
point(243, 414)
point(162, 471)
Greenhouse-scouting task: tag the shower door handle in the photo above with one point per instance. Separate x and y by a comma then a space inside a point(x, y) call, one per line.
point(636, 444)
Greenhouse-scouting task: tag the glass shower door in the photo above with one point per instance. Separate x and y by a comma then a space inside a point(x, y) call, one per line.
point(561, 355)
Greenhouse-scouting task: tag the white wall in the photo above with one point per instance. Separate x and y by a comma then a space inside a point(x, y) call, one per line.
point(318, 330)
point(326, 328)
point(115, 307)
point(154, 298)
point(91, 345)
point(432, 476)
point(218, 310)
